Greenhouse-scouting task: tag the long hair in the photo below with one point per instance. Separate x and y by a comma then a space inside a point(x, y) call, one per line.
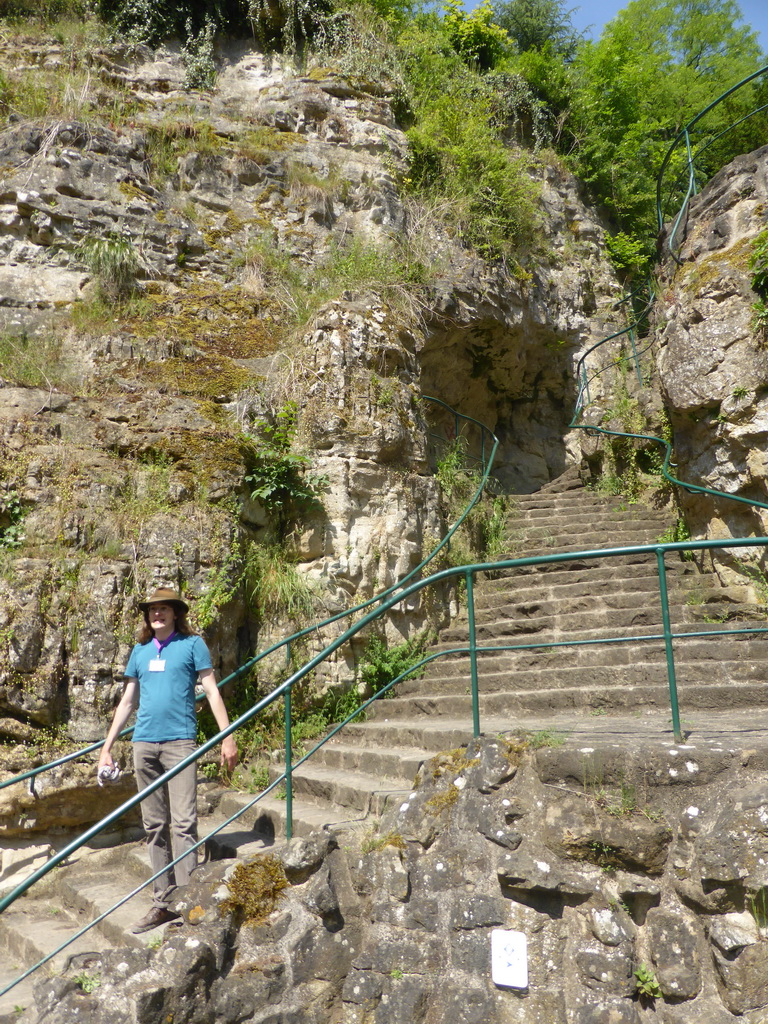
point(181, 626)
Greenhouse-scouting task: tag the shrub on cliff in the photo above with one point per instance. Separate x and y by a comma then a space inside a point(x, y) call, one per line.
point(152, 21)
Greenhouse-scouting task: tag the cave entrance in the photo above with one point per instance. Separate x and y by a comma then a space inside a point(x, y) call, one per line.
point(520, 383)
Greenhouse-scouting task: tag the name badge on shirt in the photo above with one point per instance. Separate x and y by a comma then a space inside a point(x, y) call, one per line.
point(157, 665)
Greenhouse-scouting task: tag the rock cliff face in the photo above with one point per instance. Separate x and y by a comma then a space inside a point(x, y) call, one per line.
point(641, 892)
point(712, 358)
point(125, 428)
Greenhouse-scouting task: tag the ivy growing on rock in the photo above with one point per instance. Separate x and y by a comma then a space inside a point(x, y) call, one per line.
point(11, 519)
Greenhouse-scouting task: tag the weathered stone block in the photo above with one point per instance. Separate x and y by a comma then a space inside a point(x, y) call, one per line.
point(743, 978)
point(363, 987)
point(302, 856)
point(391, 949)
point(576, 827)
point(674, 939)
point(469, 912)
point(405, 997)
point(420, 912)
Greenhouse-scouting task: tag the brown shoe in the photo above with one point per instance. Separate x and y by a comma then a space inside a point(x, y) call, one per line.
point(156, 917)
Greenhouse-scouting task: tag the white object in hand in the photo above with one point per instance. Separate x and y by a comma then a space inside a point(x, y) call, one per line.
point(108, 773)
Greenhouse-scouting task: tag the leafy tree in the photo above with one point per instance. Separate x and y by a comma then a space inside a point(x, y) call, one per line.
point(474, 36)
point(152, 21)
point(539, 24)
point(657, 64)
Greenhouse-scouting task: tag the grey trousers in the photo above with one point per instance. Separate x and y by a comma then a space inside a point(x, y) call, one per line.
point(169, 815)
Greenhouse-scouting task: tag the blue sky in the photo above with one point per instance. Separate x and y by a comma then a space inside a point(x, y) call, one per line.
point(597, 12)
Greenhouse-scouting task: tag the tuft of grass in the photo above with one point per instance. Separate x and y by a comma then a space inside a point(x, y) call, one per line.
point(172, 139)
point(374, 842)
point(114, 261)
point(277, 588)
point(88, 982)
point(393, 270)
point(442, 801)
point(545, 738)
point(36, 362)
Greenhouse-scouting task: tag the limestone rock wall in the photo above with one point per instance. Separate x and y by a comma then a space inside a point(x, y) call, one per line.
point(711, 359)
point(124, 428)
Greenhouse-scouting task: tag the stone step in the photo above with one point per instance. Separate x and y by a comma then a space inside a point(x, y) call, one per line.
point(266, 819)
point(567, 733)
point(579, 569)
point(617, 653)
point(84, 888)
point(580, 492)
point(689, 589)
point(684, 602)
point(432, 735)
point(573, 533)
point(92, 894)
point(397, 763)
point(607, 677)
point(578, 513)
point(640, 696)
point(21, 995)
point(609, 564)
point(555, 544)
point(598, 622)
point(360, 793)
point(35, 926)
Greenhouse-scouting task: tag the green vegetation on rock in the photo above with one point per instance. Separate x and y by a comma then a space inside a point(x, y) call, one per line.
point(255, 889)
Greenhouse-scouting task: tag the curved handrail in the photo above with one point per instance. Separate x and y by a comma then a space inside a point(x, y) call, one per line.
point(582, 402)
point(684, 136)
point(584, 378)
point(582, 397)
point(487, 465)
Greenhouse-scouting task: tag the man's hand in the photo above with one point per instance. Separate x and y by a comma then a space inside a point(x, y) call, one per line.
point(229, 753)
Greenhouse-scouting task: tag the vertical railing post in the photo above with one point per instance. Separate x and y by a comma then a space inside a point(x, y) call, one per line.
point(585, 385)
point(288, 758)
point(473, 653)
point(691, 171)
point(668, 645)
point(635, 356)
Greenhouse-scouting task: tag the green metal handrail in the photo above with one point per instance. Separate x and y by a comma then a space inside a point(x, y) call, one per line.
point(486, 459)
point(642, 292)
point(585, 378)
point(689, 172)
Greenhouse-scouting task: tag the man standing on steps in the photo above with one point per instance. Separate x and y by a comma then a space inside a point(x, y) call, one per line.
point(160, 678)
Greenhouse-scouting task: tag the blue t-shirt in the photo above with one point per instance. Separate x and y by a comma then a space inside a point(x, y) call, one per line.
point(167, 697)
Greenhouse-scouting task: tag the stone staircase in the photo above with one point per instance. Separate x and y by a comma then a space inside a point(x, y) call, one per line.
point(87, 885)
point(577, 600)
point(580, 689)
point(585, 600)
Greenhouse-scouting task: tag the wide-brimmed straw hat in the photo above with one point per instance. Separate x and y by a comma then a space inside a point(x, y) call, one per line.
point(164, 596)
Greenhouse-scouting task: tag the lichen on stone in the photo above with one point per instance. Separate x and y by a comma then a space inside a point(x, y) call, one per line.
point(255, 889)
